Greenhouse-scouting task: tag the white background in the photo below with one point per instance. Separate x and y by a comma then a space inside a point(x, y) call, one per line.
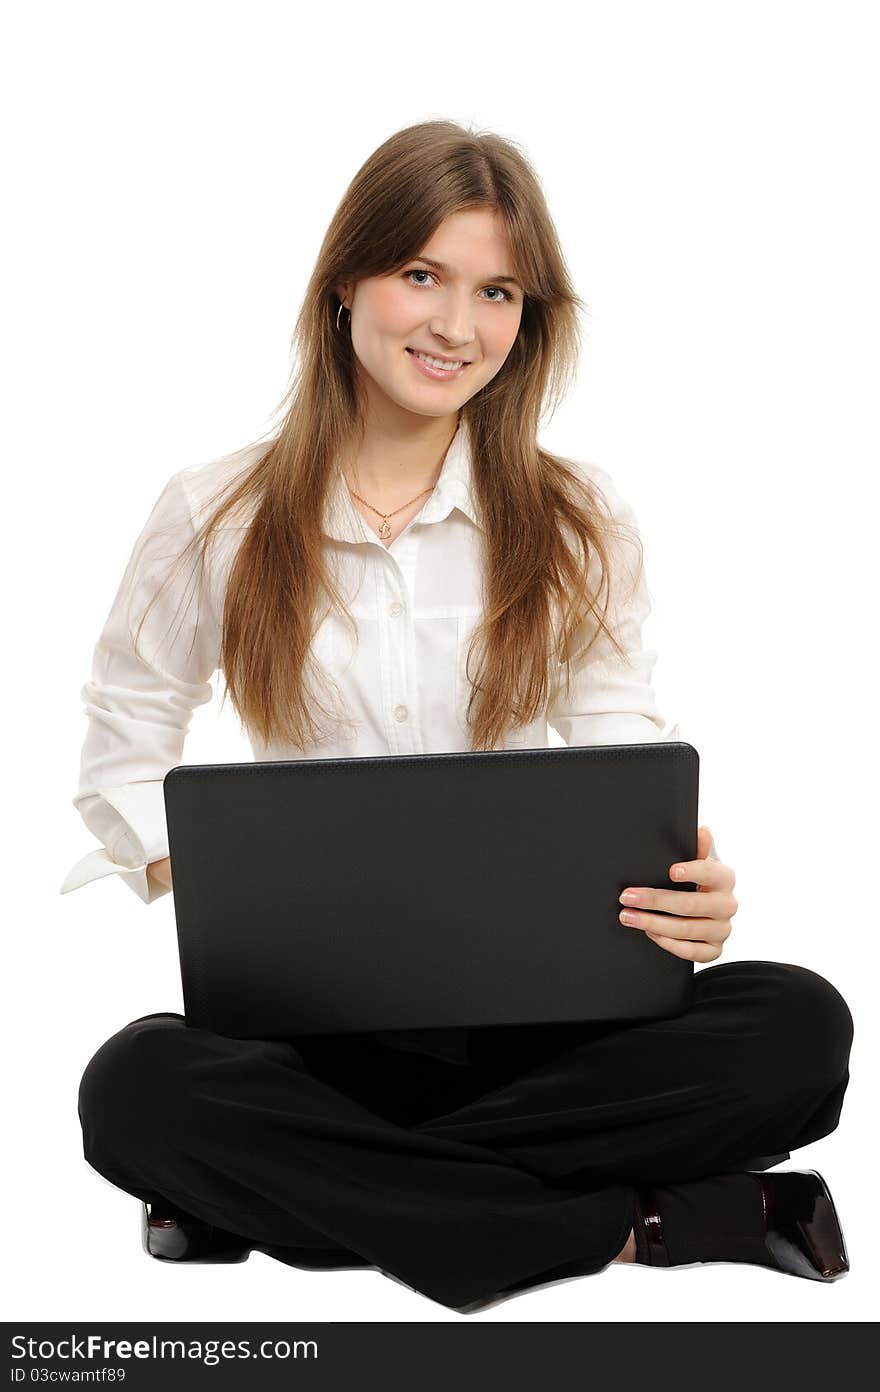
point(171, 169)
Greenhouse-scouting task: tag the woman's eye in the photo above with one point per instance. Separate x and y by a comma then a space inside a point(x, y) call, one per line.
point(420, 271)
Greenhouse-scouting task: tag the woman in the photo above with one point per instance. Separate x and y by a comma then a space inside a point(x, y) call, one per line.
point(479, 588)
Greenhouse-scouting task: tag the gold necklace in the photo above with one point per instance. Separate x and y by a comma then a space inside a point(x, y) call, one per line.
point(384, 528)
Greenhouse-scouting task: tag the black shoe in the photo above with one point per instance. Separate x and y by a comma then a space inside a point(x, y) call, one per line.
point(801, 1230)
point(171, 1235)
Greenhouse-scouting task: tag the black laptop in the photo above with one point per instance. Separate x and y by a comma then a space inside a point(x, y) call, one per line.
point(319, 896)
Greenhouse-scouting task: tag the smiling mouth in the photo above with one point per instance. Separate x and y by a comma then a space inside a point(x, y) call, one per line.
point(446, 364)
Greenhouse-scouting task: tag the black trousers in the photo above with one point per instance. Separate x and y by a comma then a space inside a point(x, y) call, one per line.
point(466, 1181)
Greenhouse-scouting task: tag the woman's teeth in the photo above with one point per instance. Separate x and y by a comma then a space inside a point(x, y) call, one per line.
point(437, 362)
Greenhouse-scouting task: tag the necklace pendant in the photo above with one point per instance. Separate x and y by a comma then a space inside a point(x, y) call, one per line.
point(385, 529)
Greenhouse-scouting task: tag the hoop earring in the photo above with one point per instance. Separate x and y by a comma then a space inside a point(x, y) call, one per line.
point(339, 311)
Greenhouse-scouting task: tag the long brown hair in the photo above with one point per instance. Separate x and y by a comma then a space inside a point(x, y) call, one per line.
point(543, 520)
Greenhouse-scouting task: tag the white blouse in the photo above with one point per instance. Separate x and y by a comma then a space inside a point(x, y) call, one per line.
point(416, 603)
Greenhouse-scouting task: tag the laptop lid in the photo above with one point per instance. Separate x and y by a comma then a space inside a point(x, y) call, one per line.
point(427, 891)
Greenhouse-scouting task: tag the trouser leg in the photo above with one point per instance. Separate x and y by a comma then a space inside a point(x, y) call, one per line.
point(758, 1065)
point(517, 1167)
point(241, 1134)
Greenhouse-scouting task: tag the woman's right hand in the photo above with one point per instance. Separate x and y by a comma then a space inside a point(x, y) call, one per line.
point(161, 871)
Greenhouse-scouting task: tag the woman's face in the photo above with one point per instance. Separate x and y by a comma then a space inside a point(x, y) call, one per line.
point(469, 311)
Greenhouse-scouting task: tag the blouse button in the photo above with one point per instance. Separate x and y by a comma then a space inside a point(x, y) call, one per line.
point(400, 712)
point(395, 609)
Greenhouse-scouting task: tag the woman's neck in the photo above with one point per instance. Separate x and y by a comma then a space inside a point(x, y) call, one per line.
point(389, 465)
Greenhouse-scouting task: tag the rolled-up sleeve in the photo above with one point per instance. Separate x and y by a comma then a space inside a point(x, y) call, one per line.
point(139, 704)
point(611, 701)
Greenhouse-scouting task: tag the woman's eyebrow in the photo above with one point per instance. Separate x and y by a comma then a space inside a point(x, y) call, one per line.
point(442, 266)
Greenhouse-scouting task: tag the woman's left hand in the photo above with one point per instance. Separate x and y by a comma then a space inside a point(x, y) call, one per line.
point(689, 923)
